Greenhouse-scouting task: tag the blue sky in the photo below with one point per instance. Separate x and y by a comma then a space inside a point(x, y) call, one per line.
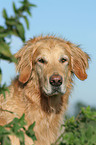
point(70, 19)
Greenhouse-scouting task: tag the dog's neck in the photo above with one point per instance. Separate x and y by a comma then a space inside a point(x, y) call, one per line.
point(48, 104)
point(51, 104)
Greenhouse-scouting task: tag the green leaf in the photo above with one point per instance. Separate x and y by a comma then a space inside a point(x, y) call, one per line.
point(5, 14)
point(8, 58)
point(31, 126)
point(20, 30)
point(13, 59)
point(26, 20)
point(4, 131)
point(2, 35)
point(6, 33)
point(22, 121)
point(30, 132)
point(14, 8)
point(22, 2)
point(29, 12)
point(21, 137)
point(2, 29)
point(5, 140)
point(4, 49)
point(3, 89)
point(0, 75)
point(11, 22)
point(32, 5)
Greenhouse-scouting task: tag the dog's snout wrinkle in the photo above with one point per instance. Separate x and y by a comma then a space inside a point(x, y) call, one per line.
point(56, 80)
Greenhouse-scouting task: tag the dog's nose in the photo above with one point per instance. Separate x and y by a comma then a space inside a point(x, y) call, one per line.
point(56, 80)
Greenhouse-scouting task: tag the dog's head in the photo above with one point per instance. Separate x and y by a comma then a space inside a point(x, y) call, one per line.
point(53, 61)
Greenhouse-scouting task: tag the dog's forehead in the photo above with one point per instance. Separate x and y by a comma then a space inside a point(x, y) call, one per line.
point(51, 47)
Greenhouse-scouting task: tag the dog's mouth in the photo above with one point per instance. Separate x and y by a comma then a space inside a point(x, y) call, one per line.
point(56, 90)
point(54, 86)
point(53, 91)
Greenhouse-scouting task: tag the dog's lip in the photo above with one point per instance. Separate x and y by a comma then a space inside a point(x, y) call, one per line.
point(56, 88)
point(55, 92)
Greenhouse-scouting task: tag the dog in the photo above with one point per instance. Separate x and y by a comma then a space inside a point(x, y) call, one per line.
point(46, 67)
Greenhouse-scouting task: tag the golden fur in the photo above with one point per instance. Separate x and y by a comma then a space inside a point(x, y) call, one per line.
point(33, 94)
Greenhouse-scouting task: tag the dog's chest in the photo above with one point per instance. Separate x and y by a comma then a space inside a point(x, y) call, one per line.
point(47, 125)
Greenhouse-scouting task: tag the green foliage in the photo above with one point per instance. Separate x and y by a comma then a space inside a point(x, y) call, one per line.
point(13, 26)
point(3, 89)
point(80, 130)
point(17, 128)
point(30, 132)
point(0, 75)
point(76, 131)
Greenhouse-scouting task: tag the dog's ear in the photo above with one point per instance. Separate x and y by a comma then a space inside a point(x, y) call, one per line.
point(24, 64)
point(79, 61)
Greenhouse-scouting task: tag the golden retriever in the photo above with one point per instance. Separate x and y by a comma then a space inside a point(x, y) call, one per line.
point(46, 66)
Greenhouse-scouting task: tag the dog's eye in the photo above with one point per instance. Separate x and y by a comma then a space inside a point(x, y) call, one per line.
point(41, 60)
point(62, 60)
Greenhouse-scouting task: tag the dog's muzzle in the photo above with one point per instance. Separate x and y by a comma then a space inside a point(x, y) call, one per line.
point(55, 81)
